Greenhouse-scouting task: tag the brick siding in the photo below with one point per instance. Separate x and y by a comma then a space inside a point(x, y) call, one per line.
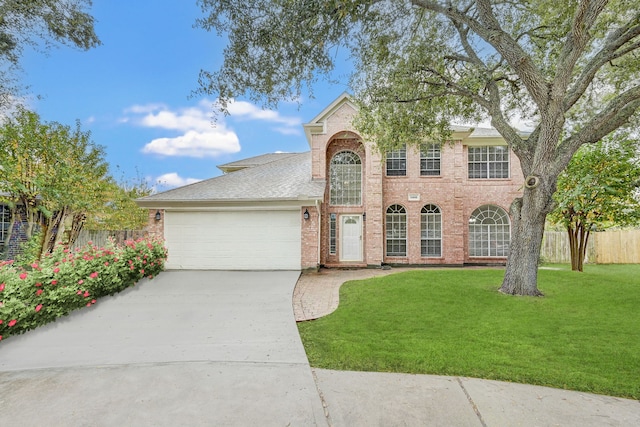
point(452, 191)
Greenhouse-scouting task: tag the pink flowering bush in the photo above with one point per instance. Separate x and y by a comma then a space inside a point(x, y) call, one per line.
point(67, 280)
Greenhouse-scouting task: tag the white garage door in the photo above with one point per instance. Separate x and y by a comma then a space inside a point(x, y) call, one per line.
point(240, 240)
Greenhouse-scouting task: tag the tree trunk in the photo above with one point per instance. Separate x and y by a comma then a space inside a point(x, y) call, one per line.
point(521, 275)
point(578, 239)
point(76, 227)
point(528, 215)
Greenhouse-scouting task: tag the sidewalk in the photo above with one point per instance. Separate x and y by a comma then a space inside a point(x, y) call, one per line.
point(318, 293)
point(384, 399)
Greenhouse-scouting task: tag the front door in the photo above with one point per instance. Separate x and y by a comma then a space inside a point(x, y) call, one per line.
point(351, 238)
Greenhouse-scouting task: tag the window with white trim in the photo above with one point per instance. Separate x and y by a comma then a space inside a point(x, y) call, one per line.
point(396, 230)
point(332, 233)
point(430, 159)
point(5, 223)
point(397, 162)
point(345, 179)
point(431, 231)
point(488, 162)
point(489, 232)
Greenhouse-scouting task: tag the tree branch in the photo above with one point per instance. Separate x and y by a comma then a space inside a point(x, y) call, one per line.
point(489, 29)
point(614, 115)
point(613, 48)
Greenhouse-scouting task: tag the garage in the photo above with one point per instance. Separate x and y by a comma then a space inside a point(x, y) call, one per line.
point(257, 216)
point(233, 240)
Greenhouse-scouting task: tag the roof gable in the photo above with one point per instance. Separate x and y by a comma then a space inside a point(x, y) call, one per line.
point(319, 123)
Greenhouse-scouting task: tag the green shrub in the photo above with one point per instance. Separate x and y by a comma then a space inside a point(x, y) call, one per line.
point(66, 280)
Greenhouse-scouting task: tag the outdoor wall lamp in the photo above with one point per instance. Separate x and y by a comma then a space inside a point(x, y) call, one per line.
point(364, 216)
point(158, 216)
point(306, 214)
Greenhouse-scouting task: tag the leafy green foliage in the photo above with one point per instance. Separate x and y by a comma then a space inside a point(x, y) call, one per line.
point(570, 68)
point(31, 22)
point(64, 281)
point(454, 322)
point(58, 176)
point(29, 250)
point(599, 189)
point(120, 211)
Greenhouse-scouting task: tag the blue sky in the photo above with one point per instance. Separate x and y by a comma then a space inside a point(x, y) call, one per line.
point(133, 94)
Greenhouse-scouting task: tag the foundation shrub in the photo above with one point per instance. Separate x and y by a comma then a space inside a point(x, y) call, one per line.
point(63, 281)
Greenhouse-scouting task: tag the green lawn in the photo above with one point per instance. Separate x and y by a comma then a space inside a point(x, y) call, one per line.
point(584, 334)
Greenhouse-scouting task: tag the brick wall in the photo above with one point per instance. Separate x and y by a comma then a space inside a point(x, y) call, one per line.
point(156, 228)
point(309, 238)
point(452, 191)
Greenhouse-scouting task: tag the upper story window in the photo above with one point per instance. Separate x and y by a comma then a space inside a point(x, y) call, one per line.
point(5, 223)
point(489, 162)
point(489, 232)
point(345, 179)
point(396, 229)
point(430, 159)
point(397, 162)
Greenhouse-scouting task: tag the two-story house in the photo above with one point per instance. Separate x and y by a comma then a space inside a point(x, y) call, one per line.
point(343, 204)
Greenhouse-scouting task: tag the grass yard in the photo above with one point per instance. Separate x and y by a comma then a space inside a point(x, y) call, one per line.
point(583, 335)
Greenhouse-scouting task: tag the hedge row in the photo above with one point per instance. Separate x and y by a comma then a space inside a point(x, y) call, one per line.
point(65, 280)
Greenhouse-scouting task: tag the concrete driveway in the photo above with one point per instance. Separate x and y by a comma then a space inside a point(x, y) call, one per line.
point(186, 348)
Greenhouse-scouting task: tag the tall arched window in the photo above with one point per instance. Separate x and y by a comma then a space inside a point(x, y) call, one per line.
point(396, 225)
point(345, 179)
point(431, 231)
point(489, 232)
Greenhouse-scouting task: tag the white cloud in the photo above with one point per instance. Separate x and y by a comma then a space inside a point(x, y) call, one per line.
point(172, 179)
point(195, 144)
point(197, 133)
point(250, 111)
point(147, 108)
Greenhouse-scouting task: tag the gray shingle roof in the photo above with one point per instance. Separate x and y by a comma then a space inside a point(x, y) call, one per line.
point(253, 161)
point(288, 178)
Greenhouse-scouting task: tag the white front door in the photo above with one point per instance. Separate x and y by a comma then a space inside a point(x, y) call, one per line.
point(351, 238)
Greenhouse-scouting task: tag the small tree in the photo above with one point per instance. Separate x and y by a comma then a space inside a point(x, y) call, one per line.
point(598, 190)
point(50, 173)
point(120, 212)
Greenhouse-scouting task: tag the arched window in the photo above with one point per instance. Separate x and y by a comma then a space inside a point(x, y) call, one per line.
point(345, 179)
point(431, 231)
point(396, 225)
point(489, 232)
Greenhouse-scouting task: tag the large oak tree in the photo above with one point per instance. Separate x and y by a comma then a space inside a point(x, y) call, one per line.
point(570, 67)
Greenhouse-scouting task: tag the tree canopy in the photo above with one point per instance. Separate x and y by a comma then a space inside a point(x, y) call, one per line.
point(598, 190)
point(571, 68)
point(40, 24)
point(55, 178)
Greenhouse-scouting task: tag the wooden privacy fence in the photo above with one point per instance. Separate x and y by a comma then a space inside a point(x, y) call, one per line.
point(604, 247)
point(101, 237)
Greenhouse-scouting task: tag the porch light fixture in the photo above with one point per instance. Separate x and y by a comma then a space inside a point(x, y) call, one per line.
point(158, 217)
point(306, 214)
point(364, 216)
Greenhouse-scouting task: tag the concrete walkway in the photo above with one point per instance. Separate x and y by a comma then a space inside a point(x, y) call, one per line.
point(384, 399)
